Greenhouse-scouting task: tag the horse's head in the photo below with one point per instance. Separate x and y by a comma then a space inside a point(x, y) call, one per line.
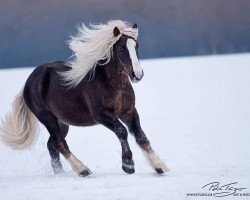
point(125, 52)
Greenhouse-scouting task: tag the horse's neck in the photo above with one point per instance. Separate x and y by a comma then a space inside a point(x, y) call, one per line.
point(115, 76)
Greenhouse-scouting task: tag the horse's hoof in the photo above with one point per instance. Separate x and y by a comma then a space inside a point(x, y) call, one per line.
point(161, 170)
point(129, 169)
point(85, 172)
point(58, 170)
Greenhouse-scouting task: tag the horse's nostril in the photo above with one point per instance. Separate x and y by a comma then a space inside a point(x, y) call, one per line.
point(133, 74)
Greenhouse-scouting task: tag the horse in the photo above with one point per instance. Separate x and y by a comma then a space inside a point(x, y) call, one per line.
point(93, 87)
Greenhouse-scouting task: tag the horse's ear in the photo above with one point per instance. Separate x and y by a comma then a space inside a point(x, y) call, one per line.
point(116, 31)
point(135, 26)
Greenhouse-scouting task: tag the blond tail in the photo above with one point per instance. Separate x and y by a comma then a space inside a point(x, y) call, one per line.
point(20, 127)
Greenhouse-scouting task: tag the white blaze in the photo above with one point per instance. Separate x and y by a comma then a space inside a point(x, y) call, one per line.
point(131, 44)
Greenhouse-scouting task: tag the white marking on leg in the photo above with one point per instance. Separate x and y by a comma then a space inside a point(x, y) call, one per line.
point(57, 166)
point(76, 164)
point(128, 166)
point(155, 161)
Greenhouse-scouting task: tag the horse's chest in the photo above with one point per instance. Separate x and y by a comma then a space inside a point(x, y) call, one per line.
point(118, 101)
point(123, 102)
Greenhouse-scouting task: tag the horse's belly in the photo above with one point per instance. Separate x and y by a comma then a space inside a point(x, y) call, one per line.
point(83, 120)
point(73, 114)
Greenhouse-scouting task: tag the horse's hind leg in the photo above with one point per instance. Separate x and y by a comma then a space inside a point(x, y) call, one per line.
point(133, 122)
point(60, 144)
point(54, 154)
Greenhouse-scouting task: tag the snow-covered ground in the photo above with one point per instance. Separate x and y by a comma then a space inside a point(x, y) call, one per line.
point(196, 113)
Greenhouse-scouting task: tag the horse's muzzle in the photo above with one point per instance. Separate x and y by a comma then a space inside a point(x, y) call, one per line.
point(135, 78)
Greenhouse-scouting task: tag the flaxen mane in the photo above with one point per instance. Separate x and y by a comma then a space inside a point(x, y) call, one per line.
point(91, 45)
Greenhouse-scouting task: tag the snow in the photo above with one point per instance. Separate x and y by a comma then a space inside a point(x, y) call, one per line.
point(196, 113)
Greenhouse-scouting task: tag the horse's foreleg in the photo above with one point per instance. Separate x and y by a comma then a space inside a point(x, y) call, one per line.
point(112, 123)
point(133, 122)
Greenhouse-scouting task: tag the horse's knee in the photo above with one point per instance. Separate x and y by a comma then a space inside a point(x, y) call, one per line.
point(121, 133)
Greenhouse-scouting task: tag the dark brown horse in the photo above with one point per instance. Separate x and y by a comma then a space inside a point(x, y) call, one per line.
point(58, 96)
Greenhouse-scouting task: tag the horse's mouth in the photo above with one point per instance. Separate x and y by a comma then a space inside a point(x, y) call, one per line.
point(135, 79)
